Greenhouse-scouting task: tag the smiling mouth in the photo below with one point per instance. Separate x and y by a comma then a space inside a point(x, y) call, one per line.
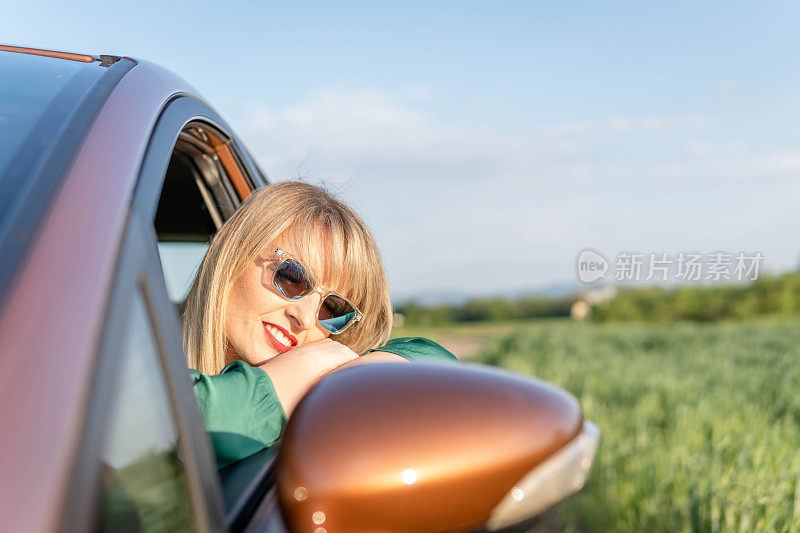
point(279, 338)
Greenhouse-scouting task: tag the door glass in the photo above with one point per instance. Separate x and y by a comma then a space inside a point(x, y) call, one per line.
point(144, 482)
point(180, 262)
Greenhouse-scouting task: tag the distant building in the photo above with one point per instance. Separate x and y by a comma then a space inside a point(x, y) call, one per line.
point(582, 308)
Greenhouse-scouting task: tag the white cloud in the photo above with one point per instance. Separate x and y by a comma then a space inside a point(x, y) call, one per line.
point(631, 124)
point(444, 195)
point(706, 148)
point(784, 162)
point(338, 132)
point(338, 128)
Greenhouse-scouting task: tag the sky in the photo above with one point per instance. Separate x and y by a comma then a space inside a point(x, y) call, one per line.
point(487, 143)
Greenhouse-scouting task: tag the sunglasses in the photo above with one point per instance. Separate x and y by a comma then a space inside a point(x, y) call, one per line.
point(294, 281)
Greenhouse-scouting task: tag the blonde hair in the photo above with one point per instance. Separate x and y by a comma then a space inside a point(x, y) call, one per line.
point(328, 236)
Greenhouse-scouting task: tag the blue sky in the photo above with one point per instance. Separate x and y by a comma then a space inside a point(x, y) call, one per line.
point(468, 133)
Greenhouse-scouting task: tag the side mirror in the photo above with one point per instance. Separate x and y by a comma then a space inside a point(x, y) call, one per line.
point(430, 447)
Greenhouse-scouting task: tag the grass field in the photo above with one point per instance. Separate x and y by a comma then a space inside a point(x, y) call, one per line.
point(700, 422)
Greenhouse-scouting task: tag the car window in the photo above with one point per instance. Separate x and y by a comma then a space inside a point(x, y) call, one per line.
point(185, 220)
point(180, 262)
point(197, 196)
point(144, 485)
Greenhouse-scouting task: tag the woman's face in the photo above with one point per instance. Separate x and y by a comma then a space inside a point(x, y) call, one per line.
point(260, 323)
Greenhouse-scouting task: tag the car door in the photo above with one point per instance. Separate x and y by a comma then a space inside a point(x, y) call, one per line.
point(145, 462)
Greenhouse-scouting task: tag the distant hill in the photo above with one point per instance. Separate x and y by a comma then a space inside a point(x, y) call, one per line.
point(454, 297)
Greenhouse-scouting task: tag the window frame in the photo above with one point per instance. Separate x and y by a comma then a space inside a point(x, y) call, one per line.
point(139, 269)
point(232, 161)
point(179, 113)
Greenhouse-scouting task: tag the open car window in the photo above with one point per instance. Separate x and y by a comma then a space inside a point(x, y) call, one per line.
point(203, 186)
point(180, 262)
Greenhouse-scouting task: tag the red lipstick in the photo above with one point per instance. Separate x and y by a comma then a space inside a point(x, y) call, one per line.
point(277, 344)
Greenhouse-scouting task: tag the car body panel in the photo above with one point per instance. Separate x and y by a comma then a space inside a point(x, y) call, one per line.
point(52, 341)
point(41, 136)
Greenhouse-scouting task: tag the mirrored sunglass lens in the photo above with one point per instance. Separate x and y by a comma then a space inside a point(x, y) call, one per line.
point(293, 280)
point(335, 313)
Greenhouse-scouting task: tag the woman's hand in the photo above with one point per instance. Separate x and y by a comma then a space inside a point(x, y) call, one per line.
point(295, 371)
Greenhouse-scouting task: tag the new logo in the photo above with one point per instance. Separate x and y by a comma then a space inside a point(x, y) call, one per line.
point(591, 266)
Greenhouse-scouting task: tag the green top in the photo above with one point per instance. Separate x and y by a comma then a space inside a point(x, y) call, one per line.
point(242, 412)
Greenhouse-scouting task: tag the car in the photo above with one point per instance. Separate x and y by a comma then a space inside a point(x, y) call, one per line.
point(114, 175)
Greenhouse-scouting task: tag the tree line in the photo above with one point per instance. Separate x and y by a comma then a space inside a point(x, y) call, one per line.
point(770, 294)
point(484, 309)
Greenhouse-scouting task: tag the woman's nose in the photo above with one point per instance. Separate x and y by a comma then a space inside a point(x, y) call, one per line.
point(304, 310)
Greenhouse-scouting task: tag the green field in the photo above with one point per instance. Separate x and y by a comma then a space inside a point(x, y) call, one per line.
point(700, 422)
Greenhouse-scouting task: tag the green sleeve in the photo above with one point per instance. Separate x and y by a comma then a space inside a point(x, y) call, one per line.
point(416, 349)
point(240, 409)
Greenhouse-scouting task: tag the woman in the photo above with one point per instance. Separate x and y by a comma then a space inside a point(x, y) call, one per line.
point(292, 287)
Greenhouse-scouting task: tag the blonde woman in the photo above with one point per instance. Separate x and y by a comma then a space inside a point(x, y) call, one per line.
point(292, 287)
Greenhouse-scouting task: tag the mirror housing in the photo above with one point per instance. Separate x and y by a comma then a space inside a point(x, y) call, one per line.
point(429, 447)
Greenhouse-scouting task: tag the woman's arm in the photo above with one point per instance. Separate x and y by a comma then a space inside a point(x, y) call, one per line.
point(245, 408)
point(376, 356)
point(296, 371)
point(241, 411)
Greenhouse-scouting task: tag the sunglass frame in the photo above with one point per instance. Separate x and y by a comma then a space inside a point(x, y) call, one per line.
point(286, 256)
